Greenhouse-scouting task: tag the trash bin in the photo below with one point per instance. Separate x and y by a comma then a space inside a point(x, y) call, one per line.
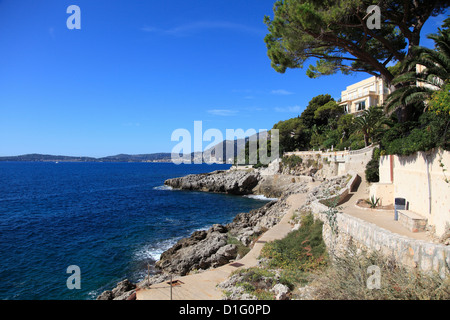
point(400, 204)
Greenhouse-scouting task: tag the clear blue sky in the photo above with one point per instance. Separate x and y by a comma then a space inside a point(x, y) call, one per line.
point(138, 70)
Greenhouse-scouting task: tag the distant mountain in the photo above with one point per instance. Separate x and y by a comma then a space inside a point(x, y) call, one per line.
point(46, 157)
point(118, 158)
point(137, 157)
point(230, 149)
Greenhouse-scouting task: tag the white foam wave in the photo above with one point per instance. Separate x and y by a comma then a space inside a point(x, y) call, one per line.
point(163, 187)
point(260, 197)
point(154, 251)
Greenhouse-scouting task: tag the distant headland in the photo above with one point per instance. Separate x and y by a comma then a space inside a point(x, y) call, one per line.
point(153, 157)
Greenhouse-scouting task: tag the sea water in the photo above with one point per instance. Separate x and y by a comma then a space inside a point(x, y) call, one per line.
point(112, 220)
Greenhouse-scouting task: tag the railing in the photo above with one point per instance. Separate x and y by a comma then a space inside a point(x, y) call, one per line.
point(329, 153)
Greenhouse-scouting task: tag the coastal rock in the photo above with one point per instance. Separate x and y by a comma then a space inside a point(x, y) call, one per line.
point(122, 291)
point(281, 291)
point(204, 249)
point(275, 186)
point(106, 295)
point(233, 182)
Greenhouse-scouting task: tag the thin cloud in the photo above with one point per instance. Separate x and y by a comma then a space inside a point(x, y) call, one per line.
point(293, 109)
point(199, 26)
point(281, 92)
point(222, 112)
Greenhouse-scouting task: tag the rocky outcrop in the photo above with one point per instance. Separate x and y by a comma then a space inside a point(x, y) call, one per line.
point(232, 182)
point(274, 186)
point(123, 291)
point(211, 248)
point(202, 250)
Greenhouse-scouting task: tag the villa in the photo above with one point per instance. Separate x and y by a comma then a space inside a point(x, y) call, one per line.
point(364, 94)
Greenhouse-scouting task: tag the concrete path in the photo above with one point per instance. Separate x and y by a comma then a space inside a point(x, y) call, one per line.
point(203, 286)
point(383, 219)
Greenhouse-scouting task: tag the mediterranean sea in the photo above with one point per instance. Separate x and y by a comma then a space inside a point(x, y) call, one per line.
point(112, 220)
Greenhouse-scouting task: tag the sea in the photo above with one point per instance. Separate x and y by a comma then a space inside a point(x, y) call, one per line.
point(111, 221)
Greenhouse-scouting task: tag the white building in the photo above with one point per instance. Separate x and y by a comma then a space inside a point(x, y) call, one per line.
point(364, 94)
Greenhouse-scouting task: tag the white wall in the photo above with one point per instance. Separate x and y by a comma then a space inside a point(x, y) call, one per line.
point(426, 191)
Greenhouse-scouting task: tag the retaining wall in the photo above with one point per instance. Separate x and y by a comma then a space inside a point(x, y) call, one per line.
point(409, 252)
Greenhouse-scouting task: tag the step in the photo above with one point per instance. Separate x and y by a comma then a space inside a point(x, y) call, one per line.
point(413, 221)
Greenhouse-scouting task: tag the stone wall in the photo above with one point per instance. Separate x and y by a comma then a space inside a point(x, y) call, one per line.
point(421, 180)
point(335, 163)
point(409, 252)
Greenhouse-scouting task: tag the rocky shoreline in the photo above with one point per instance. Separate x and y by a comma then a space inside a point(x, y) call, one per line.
point(219, 245)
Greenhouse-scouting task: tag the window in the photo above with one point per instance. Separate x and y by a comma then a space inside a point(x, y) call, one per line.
point(360, 105)
point(346, 108)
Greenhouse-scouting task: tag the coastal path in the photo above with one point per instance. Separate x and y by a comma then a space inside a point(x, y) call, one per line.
point(203, 286)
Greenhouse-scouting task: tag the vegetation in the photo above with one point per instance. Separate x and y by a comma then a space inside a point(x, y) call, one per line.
point(371, 124)
point(301, 259)
point(373, 202)
point(242, 250)
point(347, 278)
point(257, 282)
point(414, 118)
point(336, 34)
point(291, 161)
point(430, 68)
point(373, 167)
point(301, 250)
point(322, 125)
point(289, 260)
point(422, 125)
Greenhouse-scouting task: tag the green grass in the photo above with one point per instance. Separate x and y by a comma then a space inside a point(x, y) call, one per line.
point(242, 250)
point(302, 249)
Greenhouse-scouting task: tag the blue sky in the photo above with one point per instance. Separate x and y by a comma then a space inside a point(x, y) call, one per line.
point(138, 70)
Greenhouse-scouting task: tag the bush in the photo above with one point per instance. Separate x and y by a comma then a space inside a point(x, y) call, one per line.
point(291, 161)
point(300, 250)
point(431, 131)
point(373, 167)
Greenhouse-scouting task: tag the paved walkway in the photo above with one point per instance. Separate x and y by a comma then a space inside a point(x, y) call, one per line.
point(383, 219)
point(203, 286)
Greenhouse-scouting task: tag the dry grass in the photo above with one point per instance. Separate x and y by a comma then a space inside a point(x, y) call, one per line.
point(347, 278)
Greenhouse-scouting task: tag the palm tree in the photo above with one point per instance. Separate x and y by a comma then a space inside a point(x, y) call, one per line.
point(370, 123)
point(425, 72)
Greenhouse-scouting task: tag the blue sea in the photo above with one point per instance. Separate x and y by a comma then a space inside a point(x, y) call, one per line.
point(112, 220)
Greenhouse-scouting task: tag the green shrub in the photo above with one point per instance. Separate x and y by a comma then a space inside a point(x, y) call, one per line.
point(302, 249)
point(291, 161)
point(431, 131)
point(373, 167)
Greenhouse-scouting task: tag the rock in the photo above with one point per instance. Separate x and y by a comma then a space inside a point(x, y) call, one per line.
point(122, 291)
point(223, 255)
point(123, 287)
point(204, 249)
point(106, 295)
point(305, 293)
point(233, 182)
point(281, 291)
